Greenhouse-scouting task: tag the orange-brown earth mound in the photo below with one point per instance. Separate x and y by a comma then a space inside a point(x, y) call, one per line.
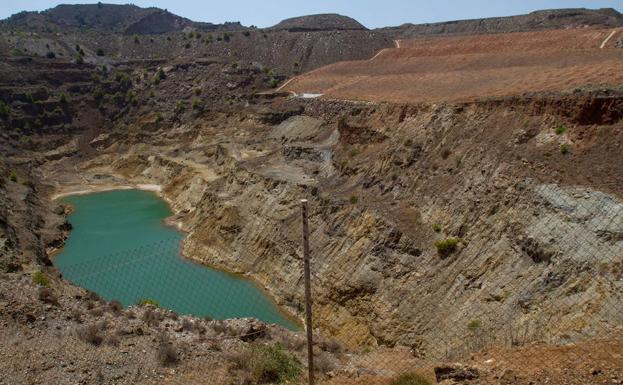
point(473, 67)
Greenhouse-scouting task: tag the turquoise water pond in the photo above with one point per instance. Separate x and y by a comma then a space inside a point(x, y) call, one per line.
point(121, 249)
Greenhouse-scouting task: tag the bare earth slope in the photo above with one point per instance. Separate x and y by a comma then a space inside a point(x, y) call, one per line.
point(472, 67)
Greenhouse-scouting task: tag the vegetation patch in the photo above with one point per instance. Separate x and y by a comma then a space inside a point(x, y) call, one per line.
point(148, 301)
point(5, 110)
point(39, 278)
point(447, 246)
point(410, 379)
point(564, 148)
point(474, 325)
point(269, 364)
point(560, 129)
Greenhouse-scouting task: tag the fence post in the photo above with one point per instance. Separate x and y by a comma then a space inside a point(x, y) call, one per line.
point(308, 303)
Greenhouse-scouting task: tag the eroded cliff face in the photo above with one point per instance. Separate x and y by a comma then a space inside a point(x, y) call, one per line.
point(537, 228)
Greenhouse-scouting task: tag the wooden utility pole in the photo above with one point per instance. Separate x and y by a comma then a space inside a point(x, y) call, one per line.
point(308, 301)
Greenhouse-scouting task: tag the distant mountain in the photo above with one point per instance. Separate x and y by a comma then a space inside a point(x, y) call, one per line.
point(538, 20)
point(125, 19)
point(321, 22)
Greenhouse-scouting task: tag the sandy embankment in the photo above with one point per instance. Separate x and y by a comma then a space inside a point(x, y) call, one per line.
point(101, 188)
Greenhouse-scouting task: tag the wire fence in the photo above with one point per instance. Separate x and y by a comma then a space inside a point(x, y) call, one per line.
point(504, 280)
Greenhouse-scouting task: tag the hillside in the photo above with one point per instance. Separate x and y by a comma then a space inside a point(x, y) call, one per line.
point(468, 68)
point(324, 22)
point(535, 21)
point(124, 19)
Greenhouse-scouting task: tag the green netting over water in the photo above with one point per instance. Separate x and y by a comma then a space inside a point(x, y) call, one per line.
point(106, 253)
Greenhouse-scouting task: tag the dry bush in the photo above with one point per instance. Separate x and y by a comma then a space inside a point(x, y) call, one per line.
point(166, 354)
point(76, 315)
point(90, 304)
point(324, 362)
point(92, 296)
point(151, 317)
point(92, 333)
point(46, 295)
point(187, 325)
point(97, 312)
point(112, 339)
point(173, 315)
point(220, 327)
point(290, 340)
point(115, 306)
point(331, 346)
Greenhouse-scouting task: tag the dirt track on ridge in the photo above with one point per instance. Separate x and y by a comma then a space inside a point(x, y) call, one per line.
point(473, 67)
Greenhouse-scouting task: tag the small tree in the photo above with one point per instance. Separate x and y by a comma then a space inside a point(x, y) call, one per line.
point(99, 52)
point(13, 177)
point(79, 60)
point(5, 111)
point(63, 98)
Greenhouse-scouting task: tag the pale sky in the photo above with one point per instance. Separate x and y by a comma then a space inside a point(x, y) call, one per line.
point(371, 13)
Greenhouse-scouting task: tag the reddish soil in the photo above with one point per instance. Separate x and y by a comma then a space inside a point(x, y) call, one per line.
point(474, 67)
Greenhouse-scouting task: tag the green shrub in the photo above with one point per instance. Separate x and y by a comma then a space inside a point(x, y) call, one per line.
point(79, 60)
point(187, 46)
point(408, 143)
point(5, 110)
point(180, 106)
point(564, 148)
point(197, 91)
point(410, 379)
point(246, 33)
point(474, 325)
point(13, 177)
point(160, 75)
point(196, 104)
point(226, 36)
point(272, 365)
point(40, 278)
point(136, 40)
point(50, 55)
point(99, 52)
point(446, 246)
point(437, 228)
point(560, 129)
point(148, 301)
point(274, 83)
point(63, 98)
point(98, 93)
point(123, 79)
point(353, 199)
point(15, 52)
